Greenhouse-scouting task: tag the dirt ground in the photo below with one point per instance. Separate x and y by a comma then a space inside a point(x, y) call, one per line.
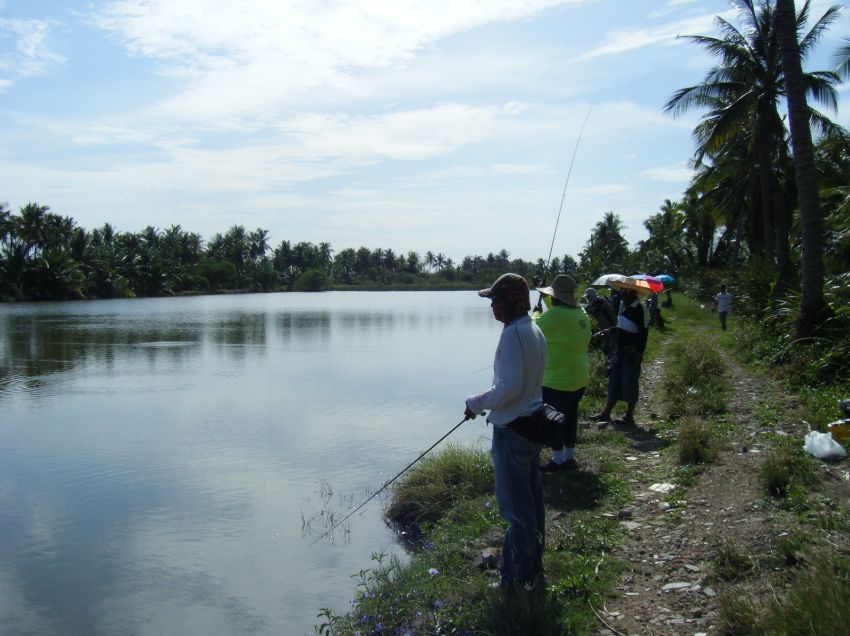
point(670, 583)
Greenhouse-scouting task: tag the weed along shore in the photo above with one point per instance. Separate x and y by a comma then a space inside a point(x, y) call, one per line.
point(705, 517)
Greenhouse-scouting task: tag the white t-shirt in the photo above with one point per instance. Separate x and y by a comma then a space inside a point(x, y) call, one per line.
point(517, 374)
point(723, 299)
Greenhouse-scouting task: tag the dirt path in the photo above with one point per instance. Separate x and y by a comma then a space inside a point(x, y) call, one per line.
point(674, 538)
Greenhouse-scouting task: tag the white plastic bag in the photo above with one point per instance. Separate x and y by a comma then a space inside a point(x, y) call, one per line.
point(822, 446)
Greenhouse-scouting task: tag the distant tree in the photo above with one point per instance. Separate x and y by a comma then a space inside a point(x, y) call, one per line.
point(412, 265)
point(606, 249)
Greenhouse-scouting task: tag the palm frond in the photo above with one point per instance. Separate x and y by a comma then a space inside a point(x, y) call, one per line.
point(816, 32)
point(841, 59)
point(821, 86)
point(824, 126)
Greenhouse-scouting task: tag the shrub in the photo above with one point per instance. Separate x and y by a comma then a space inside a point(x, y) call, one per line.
point(696, 443)
point(438, 482)
point(217, 273)
point(818, 601)
point(738, 614)
point(785, 466)
point(312, 280)
point(730, 564)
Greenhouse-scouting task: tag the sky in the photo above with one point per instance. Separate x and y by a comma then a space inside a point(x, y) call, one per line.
point(428, 125)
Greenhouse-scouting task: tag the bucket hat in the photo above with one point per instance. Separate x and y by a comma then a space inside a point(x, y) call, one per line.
point(563, 288)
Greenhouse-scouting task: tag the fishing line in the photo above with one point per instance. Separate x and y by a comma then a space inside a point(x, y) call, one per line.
point(384, 487)
point(563, 196)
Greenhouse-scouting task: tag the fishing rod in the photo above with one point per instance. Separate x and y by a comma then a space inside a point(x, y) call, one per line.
point(563, 196)
point(384, 487)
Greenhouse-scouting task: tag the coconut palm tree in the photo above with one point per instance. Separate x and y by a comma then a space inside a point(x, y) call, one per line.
point(742, 93)
point(606, 249)
point(5, 221)
point(812, 307)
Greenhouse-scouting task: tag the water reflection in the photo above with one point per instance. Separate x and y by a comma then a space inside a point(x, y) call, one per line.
point(158, 454)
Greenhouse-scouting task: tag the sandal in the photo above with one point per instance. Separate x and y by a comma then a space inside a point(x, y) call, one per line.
point(627, 421)
point(600, 417)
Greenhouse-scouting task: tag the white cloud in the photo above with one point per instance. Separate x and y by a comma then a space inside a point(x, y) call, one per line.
point(611, 188)
point(674, 174)
point(245, 60)
point(513, 169)
point(30, 55)
point(416, 134)
point(626, 40)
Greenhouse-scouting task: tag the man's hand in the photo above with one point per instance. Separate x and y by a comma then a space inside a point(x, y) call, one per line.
point(468, 414)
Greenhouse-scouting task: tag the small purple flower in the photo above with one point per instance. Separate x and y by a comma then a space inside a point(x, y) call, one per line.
point(377, 627)
point(433, 571)
point(364, 618)
point(438, 604)
point(430, 545)
point(488, 504)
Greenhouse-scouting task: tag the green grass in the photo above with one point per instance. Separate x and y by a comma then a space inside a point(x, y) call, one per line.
point(697, 443)
point(438, 482)
point(729, 564)
point(449, 498)
point(817, 602)
point(440, 590)
point(694, 381)
point(821, 404)
point(787, 470)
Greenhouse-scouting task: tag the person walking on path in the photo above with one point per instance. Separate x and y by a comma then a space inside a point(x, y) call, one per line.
point(512, 398)
point(566, 326)
point(721, 303)
point(630, 334)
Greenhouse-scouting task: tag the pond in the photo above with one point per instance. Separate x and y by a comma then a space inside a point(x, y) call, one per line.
point(165, 464)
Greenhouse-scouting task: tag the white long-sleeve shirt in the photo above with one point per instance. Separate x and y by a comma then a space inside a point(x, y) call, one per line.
point(517, 374)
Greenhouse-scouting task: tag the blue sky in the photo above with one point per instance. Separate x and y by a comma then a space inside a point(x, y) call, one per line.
point(443, 125)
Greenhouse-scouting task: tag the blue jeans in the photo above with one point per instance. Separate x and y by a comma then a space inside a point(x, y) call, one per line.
point(519, 493)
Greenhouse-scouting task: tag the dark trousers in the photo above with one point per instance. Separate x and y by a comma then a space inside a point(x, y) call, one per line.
point(567, 403)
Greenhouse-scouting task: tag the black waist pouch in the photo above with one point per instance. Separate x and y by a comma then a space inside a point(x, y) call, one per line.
point(545, 426)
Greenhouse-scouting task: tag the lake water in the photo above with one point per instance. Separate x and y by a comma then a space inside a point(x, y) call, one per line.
point(158, 457)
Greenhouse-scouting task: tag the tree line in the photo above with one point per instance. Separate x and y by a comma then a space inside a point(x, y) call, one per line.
point(743, 209)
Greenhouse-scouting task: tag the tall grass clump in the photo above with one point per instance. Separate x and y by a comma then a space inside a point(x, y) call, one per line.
point(817, 601)
point(438, 482)
point(787, 466)
point(696, 442)
point(694, 381)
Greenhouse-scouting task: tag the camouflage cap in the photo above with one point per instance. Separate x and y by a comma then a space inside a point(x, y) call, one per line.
point(511, 289)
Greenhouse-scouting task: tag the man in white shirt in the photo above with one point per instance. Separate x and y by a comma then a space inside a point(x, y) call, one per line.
point(721, 304)
point(515, 394)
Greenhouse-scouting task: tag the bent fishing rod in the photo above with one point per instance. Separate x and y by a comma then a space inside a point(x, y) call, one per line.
point(563, 196)
point(386, 484)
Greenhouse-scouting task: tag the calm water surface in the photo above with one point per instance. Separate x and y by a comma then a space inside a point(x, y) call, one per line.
point(158, 456)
